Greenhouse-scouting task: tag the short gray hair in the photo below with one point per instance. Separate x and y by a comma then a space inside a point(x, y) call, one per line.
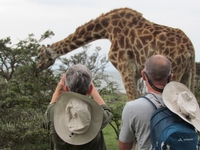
point(78, 79)
point(158, 67)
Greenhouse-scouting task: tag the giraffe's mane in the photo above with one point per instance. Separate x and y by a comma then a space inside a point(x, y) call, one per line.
point(109, 13)
point(117, 9)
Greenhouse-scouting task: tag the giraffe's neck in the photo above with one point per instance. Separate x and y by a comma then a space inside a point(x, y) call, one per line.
point(85, 34)
point(107, 26)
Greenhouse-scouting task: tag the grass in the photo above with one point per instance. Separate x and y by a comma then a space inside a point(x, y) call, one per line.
point(110, 138)
point(116, 106)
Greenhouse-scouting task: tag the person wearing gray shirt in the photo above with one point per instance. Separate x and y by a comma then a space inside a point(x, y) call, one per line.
point(136, 115)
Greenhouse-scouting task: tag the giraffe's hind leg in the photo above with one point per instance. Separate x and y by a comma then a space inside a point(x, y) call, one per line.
point(130, 81)
point(188, 77)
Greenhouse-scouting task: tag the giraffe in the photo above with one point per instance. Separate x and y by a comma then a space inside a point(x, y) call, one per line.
point(133, 39)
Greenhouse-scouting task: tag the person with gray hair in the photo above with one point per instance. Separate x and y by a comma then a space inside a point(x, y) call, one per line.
point(136, 115)
point(74, 120)
point(78, 79)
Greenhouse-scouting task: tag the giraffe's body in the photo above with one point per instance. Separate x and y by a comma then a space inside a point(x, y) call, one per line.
point(133, 39)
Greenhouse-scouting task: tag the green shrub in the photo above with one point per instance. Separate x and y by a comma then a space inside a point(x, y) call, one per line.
point(21, 129)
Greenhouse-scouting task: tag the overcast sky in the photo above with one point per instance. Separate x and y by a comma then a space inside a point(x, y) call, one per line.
point(22, 17)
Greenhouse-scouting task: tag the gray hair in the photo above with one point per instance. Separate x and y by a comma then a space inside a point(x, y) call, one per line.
point(158, 67)
point(78, 79)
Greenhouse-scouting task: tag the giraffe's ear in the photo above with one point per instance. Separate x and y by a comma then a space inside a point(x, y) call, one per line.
point(46, 51)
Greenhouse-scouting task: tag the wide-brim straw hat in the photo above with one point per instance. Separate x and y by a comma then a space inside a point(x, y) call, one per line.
point(180, 100)
point(77, 118)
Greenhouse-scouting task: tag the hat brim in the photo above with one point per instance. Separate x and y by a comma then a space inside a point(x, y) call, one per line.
point(170, 99)
point(60, 119)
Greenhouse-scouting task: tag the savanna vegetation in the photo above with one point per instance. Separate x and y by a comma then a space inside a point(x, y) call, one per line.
point(26, 92)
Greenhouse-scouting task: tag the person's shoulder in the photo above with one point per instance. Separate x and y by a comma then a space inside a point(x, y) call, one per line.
point(138, 100)
point(136, 107)
point(136, 103)
point(51, 106)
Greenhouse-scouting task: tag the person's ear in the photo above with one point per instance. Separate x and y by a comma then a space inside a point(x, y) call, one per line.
point(171, 76)
point(66, 88)
point(91, 88)
point(143, 75)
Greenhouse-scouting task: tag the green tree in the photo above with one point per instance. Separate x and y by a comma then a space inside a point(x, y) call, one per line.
point(93, 61)
point(197, 86)
point(25, 93)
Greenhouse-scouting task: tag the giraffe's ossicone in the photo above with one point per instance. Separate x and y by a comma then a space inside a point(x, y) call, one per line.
point(133, 39)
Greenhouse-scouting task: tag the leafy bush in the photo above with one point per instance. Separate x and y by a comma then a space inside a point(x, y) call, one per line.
point(21, 128)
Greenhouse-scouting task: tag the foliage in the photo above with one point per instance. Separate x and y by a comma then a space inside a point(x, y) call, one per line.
point(93, 61)
point(198, 68)
point(197, 81)
point(19, 74)
point(116, 103)
point(22, 129)
point(25, 93)
point(111, 138)
point(197, 88)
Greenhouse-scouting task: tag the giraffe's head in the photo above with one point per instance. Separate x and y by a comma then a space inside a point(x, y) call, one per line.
point(45, 58)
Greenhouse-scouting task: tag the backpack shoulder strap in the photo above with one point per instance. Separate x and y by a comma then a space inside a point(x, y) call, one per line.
point(153, 99)
point(150, 101)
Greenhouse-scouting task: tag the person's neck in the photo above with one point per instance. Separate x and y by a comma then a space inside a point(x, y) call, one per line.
point(151, 90)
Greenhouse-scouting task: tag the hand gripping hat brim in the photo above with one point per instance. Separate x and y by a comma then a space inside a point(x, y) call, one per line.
point(77, 118)
point(180, 100)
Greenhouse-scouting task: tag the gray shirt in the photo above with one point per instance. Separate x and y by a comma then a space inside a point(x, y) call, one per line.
point(136, 117)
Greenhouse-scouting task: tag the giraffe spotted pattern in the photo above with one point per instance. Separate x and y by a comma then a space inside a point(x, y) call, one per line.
point(133, 39)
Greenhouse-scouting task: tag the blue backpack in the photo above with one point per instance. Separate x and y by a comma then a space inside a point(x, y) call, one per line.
point(169, 132)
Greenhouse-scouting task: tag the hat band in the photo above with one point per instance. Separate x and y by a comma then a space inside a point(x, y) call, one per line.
point(153, 86)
